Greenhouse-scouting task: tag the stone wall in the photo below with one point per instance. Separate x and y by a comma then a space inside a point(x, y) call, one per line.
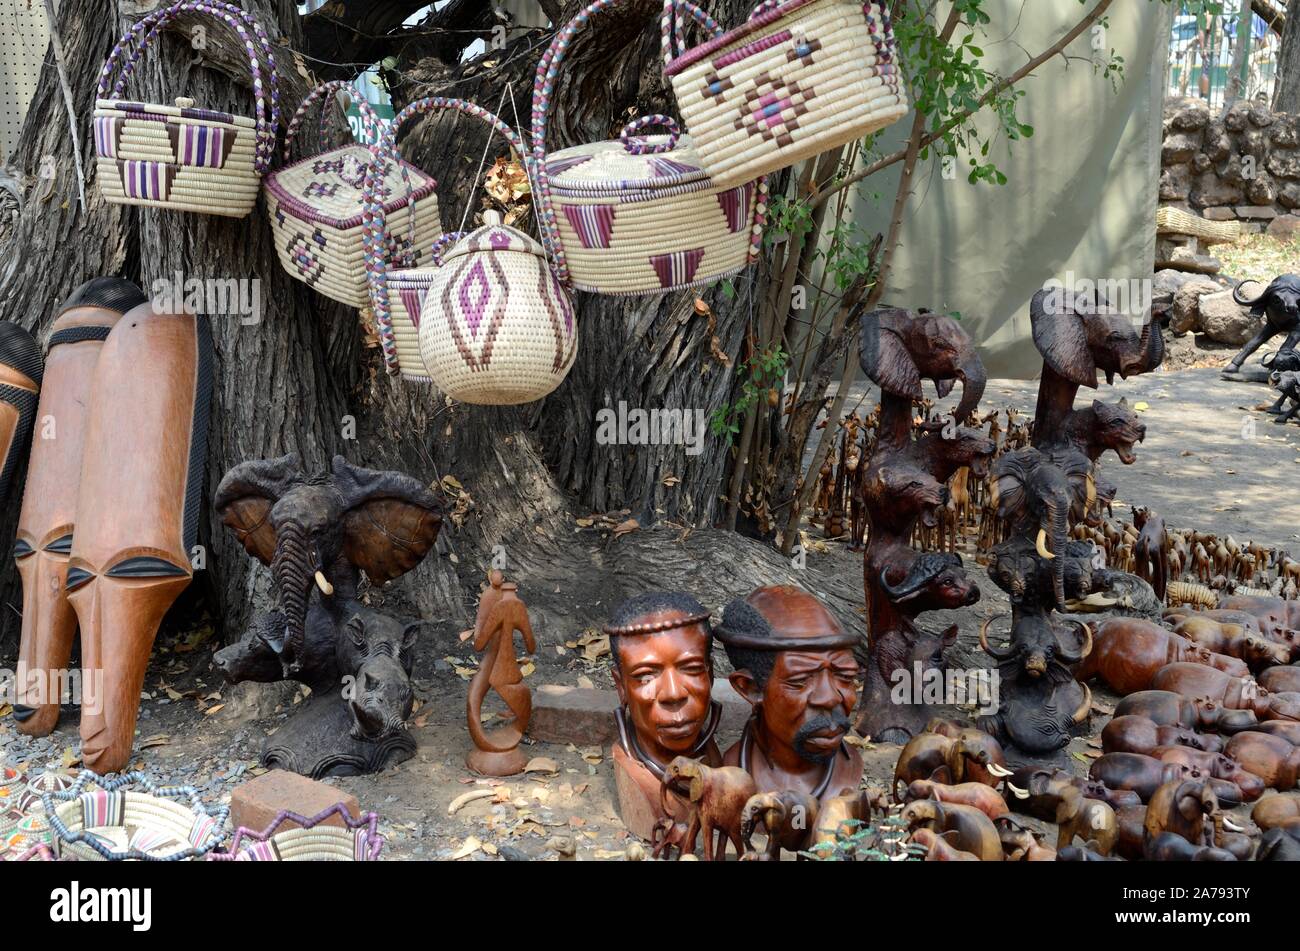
point(1243, 164)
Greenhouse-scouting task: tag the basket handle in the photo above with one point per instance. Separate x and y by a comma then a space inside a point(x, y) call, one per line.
point(142, 33)
point(672, 26)
point(639, 146)
point(443, 242)
point(543, 86)
point(371, 125)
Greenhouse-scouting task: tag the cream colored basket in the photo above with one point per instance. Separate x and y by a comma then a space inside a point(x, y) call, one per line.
point(404, 285)
point(640, 215)
point(800, 77)
point(178, 156)
point(328, 211)
point(308, 840)
point(113, 823)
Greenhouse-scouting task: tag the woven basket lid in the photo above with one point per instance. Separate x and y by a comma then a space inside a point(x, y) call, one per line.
point(607, 168)
point(494, 237)
point(329, 185)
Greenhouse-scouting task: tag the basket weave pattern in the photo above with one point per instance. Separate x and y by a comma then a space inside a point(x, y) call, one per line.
point(178, 156)
point(798, 78)
point(357, 840)
point(640, 215)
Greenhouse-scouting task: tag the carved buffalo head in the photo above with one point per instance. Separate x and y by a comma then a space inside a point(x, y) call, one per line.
point(935, 581)
point(1078, 340)
point(1036, 644)
point(310, 529)
point(899, 348)
point(1279, 302)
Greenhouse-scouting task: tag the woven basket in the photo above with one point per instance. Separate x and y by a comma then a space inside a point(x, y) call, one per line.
point(800, 77)
point(358, 840)
point(178, 156)
point(113, 823)
point(640, 215)
point(31, 799)
point(27, 833)
point(12, 784)
point(327, 211)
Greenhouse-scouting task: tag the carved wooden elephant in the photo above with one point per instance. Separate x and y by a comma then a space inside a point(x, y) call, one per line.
point(715, 798)
point(965, 827)
point(1091, 820)
point(789, 818)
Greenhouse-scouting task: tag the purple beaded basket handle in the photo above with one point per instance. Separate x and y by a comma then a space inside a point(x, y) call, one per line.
point(40, 852)
point(438, 103)
point(367, 820)
point(371, 125)
point(640, 146)
point(142, 33)
point(672, 26)
point(443, 243)
point(543, 87)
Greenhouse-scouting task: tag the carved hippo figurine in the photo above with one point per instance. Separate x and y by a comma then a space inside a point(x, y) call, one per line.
point(1145, 774)
point(1272, 812)
point(1281, 679)
point(1039, 792)
point(1126, 653)
point(1272, 758)
point(984, 798)
point(965, 827)
point(1135, 734)
point(1168, 708)
point(937, 848)
point(1195, 680)
point(1289, 730)
point(969, 756)
point(1235, 640)
point(1216, 765)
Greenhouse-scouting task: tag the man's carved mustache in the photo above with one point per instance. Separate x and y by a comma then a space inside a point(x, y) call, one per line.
point(835, 720)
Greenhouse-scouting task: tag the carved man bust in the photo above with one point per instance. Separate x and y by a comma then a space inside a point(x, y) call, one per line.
point(661, 644)
point(794, 663)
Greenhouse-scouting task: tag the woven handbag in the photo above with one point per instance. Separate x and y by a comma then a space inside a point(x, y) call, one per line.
point(798, 78)
point(327, 211)
point(640, 215)
point(113, 822)
point(357, 840)
point(179, 156)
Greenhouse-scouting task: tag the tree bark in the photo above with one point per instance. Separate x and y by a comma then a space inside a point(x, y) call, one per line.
point(1286, 95)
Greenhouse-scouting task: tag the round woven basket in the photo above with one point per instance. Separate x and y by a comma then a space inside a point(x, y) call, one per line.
point(113, 823)
point(48, 782)
point(640, 215)
point(12, 784)
point(497, 329)
point(312, 840)
point(178, 156)
point(328, 211)
point(27, 833)
point(798, 78)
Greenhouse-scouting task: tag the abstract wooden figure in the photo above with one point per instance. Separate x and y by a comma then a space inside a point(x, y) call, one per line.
point(500, 615)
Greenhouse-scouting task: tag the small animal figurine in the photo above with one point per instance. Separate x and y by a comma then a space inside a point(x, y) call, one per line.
point(715, 797)
point(970, 755)
point(1282, 809)
point(1020, 844)
point(1242, 693)
point(984, 798)
point(788, 818)
point(500, 615)
point(1151, 549)
point(965, 827)
point(1167, 708)
point(1091, 820)
point(1145, 774)
point(1272, 758)
point(1216, 765)
point(1127, 652)
point(1235, 640)
point(1137, 734)
point(937, 848)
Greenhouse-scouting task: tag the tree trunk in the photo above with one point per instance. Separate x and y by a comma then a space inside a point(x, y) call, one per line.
point(1286, 95)
point(302, 377)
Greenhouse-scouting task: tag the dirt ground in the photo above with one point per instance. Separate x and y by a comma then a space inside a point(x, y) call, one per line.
point(1211, 459)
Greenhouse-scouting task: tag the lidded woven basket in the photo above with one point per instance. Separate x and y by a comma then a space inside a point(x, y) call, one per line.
point(180, 156)
point(327, 211)
point(798, 78)
point(640, 215)
point(497, 327)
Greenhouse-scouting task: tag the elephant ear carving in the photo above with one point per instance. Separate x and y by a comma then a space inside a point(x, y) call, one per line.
point(390, 520)
point(884, 356)
point(246, 495)
point(1009, 474)
point(1062, 339)
point(697, 787)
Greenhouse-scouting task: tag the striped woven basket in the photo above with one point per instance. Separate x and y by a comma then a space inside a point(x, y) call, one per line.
point(640, 215)
point(113, 823)
point(179, 156)
point(357, 840)
point(800, 77)
point(328, 211)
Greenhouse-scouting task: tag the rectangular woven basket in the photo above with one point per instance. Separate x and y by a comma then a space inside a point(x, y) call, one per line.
point(407, 288)
point(178, 156)
point(798, 78)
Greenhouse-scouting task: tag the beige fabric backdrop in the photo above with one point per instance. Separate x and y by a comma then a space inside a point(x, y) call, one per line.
point(1081, 192)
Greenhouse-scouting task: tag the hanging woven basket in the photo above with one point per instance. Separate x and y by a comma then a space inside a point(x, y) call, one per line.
point(640, 215)
point(112, 822)
point(181, 156)
point(308, 840)
point(327, 211)
point(798, 78)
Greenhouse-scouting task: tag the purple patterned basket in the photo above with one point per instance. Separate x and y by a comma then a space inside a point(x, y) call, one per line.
point(179, 156)
point(798, 78)
point(357, 840)
point(640, 215)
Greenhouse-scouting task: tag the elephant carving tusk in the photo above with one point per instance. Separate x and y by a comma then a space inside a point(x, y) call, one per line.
point(1081, 714)
point(322, 582)
point(1018, 792)
point(1232, 826)
point(1040, 544)
point(998, 770)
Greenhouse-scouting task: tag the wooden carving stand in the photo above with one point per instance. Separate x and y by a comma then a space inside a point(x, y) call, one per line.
point(500, 614)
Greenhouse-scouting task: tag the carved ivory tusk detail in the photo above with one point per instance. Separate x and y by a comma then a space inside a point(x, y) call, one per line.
point(326, 588)
point(999, 771)
point(1041, 544)
point(1018, 792)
